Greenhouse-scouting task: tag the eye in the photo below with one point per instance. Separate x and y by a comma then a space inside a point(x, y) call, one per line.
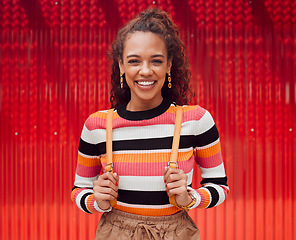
point(157, 61)
point(133, 61)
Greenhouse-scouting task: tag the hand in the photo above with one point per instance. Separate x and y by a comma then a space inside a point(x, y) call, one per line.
point(105, 189)
point(176, 184)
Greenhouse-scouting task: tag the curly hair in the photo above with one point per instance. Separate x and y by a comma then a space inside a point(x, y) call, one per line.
point(158, 22)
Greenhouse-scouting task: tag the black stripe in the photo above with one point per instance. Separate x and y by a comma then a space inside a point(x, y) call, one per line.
point(82, 202)
point(219, 181)
point(143, 197)
point(92, 149)
point(207, 137)
point(215, 196)
point(151, 144)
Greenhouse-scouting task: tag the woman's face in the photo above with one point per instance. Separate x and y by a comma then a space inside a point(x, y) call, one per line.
point(145, 64)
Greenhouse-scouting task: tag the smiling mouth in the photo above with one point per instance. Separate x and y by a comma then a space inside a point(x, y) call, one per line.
point(145, 83)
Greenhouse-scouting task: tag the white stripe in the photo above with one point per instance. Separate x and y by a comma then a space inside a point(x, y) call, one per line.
point(194, 127)
point(146, 183)
point(215, 172)
point(80, 195)
point(93, 136)
point(144, 206)
point(150, 151)
point(84, 182)
point(219, 190)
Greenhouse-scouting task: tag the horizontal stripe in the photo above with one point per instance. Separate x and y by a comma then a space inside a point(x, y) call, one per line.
point(206, 138)
point(214, 196)
point(218, 181)
point(84, 182)
point(148, 169)
point(150, 144)
point(88, 162)
point(144, 198)
point(80, 199)
point(215, 172)
point(210, 162)
point(88, 172)
point(147, 156)
point(146, 183)
point(205, 195)
point(149, 211)
point(220, 191)
point(208, 152)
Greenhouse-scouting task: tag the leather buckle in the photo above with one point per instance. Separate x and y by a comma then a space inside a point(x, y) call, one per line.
point(109, 167)
point(173, 165)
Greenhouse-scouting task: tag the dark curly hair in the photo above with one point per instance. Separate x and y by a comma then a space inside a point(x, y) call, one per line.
point(158, 22)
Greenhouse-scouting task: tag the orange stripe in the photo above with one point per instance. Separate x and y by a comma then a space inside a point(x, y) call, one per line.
point(149, 211)
point(73, 192)
point(88, 202)
point(209, 152)
point(147, 157)
point(207, 198)
point(103, 115)
point(88, 162)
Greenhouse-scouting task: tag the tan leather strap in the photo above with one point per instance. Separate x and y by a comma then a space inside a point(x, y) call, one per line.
point(109, 166)
point(176, 141)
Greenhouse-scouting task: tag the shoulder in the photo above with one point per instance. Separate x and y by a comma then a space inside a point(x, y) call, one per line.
point(195, 112)
point(96, 120)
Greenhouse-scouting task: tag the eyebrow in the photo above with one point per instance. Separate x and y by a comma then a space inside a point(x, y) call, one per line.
point(153, 56)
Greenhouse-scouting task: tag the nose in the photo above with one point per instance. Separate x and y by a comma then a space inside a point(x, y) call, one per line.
point(146, 69)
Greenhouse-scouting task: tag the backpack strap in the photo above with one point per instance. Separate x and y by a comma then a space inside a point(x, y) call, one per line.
point(109, 165)
point(176, 141)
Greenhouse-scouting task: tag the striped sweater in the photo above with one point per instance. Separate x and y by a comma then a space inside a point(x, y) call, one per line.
point(142, 144)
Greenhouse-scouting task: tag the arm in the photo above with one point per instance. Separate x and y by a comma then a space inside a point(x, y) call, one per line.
point(91, 147)
point(208, 157)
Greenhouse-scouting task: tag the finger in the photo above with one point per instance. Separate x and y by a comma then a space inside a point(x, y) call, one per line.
point(106, 191)
point(167, 172)
point(174, 175)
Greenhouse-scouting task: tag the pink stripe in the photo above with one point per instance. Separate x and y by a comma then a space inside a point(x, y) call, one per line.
point(97, 122)
point(210, 162)
point(202, 197)
point(89, 172)
point(193, 115)
point(76, 193)
point(166, 118)
point(148, 169)
point(92, 206)
point(93, 123)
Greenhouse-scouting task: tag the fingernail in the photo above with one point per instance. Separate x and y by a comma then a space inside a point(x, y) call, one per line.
point(164, 181)
point(116, 183)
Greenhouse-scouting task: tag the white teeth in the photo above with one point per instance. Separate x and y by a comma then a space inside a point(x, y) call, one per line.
point(145, 83)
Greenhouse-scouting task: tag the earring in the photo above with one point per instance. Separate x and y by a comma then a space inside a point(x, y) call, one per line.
point(121, 80)
point(169, 80)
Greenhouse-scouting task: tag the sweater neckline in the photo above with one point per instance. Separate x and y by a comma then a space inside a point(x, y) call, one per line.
point(144, 115)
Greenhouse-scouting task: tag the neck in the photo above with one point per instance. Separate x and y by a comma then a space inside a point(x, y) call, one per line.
point(135, 106)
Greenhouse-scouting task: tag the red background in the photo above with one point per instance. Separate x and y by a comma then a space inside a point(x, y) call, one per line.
point(54, 72)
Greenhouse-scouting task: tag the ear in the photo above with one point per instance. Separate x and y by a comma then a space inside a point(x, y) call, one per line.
point(121, 67)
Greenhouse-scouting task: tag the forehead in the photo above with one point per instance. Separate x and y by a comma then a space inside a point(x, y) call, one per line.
point(144, 43)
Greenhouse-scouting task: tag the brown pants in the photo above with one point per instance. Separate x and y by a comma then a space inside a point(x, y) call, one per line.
point(120, 225)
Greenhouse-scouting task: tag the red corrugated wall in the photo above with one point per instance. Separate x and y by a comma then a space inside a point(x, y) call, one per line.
point(54, 72)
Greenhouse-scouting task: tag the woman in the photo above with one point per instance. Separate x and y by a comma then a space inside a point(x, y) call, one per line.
point(150, 75)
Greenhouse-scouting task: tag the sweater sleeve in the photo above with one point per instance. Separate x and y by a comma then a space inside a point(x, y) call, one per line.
point(88, 168)
point(208, 157)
